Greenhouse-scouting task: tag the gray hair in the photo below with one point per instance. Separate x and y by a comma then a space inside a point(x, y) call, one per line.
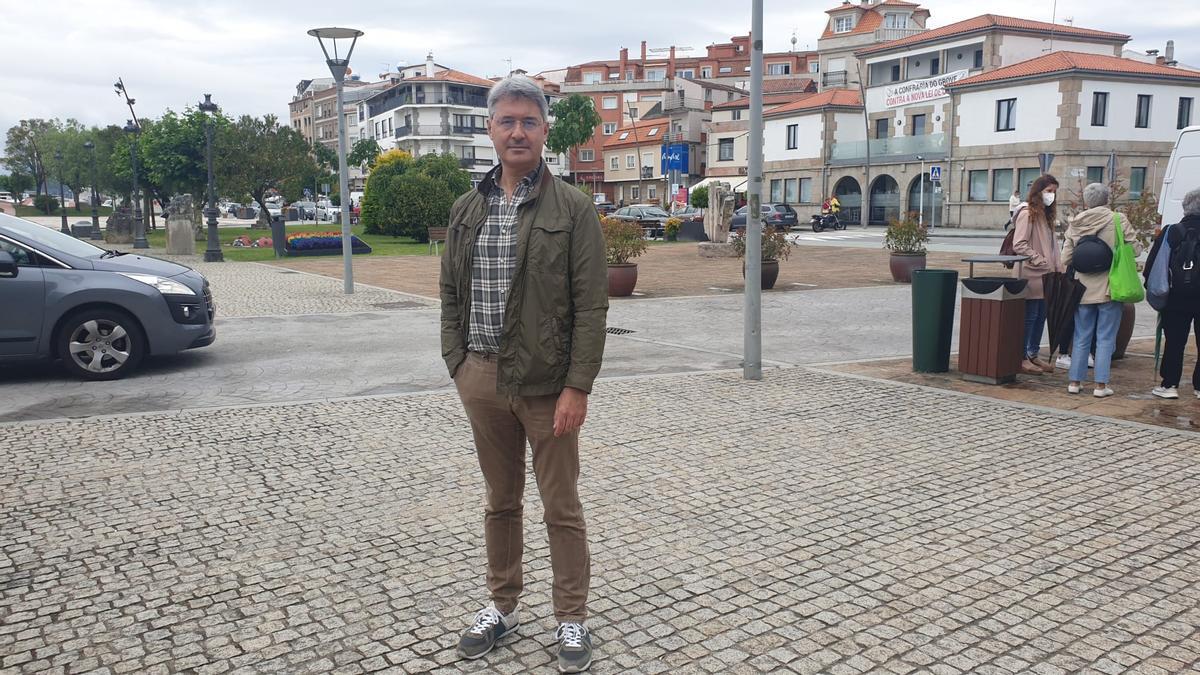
point(1191, 203)
point(518, 87)
point(1095, 194)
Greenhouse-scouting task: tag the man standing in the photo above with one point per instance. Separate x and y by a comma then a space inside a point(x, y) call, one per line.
point(524, 289)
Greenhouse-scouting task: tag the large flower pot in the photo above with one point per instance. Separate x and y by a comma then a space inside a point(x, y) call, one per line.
point(768, 274)
point(622, 277)
point(1125, 330)
point(903, 264)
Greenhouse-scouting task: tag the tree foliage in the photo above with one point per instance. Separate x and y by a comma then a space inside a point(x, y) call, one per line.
point(365, 151)
point(699, 198)
point(25, 149)
point(575, 121)
point(406, 196)
point(257, 154)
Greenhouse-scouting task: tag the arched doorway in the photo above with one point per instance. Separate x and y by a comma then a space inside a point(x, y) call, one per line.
point(931, 204)
point(885, 200)
point(849, 195)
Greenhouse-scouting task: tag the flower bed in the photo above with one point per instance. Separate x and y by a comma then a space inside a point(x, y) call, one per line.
point(322, 243)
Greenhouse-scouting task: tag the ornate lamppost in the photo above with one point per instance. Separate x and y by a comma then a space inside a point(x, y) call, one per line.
point(91, 148)
point(213, 252)
point(62, 207)
point(139, 227)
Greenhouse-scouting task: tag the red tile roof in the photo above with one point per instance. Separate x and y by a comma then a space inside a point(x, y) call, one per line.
point(893, 3)
point(830, 97)
point(987, 22)
point(642, 137)
point(788, 84)
point(768, 100)
point(1059, 62)
point(451, 75)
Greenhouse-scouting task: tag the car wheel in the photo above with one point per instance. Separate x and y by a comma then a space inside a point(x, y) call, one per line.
point(101, 344)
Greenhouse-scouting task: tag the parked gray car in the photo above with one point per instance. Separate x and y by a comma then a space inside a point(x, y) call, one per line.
point(98, 311)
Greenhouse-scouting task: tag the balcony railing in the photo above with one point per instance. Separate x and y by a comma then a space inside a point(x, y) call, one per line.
point(469, 162)
point(834, 78)
point(401, 132)
point(468, 130)
point(422, 130)
point(883, 149)
point(889, 34)
point(617, 86)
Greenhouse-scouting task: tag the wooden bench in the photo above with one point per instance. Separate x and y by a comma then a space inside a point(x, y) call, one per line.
point(437, 237)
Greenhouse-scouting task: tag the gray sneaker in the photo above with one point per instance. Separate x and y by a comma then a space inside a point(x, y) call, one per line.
point(489, 626)
point(574, 647)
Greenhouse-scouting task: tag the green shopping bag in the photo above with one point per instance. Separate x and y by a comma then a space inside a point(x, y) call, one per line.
point(1124, 284)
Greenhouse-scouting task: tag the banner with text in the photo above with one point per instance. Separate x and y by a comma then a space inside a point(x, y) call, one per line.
point(918, 91)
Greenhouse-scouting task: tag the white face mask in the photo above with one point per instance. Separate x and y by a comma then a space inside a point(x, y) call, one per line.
point(1048, 197)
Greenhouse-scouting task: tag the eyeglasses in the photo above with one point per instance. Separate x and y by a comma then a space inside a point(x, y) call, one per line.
point(509, 123)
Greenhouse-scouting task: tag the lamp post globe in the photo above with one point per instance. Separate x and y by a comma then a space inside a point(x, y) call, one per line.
point(139, 227)
point(62, 206)
point(91, 148)
point(212, 253)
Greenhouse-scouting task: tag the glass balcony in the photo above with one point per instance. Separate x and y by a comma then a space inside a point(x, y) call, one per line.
point(834, 78)
point(883, 149)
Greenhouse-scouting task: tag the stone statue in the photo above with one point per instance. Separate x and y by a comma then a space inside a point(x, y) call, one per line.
point(181, 231)
point(118, 228)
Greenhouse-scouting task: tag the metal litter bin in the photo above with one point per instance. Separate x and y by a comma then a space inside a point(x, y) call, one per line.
point(278, 236)
point(933, 298)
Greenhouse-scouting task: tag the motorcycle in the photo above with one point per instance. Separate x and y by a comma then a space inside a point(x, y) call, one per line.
point(822, 221)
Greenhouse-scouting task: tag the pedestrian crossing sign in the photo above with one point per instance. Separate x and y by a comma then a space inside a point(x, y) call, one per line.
point(935, 172)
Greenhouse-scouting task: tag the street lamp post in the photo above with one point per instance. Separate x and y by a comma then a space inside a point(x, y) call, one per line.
point(338, 67)
point(139, 227)
point(62, 207)
point(91, 148)
point(921, 200)
point(213, 252)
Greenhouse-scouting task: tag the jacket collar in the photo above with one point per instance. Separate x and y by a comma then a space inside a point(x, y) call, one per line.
point(489, 181)
point(1190, 221)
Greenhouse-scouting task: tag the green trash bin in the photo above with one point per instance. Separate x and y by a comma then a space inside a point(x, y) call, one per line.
point(933, 299)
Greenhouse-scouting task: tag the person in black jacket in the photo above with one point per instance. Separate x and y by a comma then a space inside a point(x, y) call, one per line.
point(1183, 309)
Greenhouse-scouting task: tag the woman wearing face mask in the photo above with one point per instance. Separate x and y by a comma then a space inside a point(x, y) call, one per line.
point(1034, 237)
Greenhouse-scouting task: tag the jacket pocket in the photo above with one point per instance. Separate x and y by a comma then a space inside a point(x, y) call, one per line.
point(549, 248)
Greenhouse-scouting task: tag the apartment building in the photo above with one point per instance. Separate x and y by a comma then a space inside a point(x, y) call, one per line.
point(855, 25)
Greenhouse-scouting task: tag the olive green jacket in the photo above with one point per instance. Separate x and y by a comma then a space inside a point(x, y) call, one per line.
point(554, 319)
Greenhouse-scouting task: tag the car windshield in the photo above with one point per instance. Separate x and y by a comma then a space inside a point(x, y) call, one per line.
point(741, 211)
point(52, 239)
point(655, 212)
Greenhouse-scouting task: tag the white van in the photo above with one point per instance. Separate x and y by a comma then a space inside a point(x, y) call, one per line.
point(1182, 176)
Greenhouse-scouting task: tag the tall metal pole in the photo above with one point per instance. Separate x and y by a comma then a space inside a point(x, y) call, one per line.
point(637, 144)
point(344, 186)
point(139, 227)
point(921, 199)
point(91, 148)
point(212, 252)
point(752, 321)
point(62, 205)
point(864, 199)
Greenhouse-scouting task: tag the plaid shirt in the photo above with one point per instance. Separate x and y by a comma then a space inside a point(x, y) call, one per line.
point(494, 261)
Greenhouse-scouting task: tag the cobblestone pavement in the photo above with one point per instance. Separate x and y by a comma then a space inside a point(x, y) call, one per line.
point(812, 521)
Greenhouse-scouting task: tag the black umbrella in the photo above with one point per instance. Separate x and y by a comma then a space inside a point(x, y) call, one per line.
point(1063, 293)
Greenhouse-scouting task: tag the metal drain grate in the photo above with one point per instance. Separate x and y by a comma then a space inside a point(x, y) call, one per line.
point(618, 331)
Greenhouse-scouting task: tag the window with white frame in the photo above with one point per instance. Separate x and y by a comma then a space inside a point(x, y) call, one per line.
point(814, 66)
point(706, 71)
point(651, 192)
point(610, 128)
point(790, 192)
point(895, 20)
point(779, 69)
point(592, 77)
point(725, 150)
point(689, 74)
point(805, 191)
point(587, 155)
point(726, 69)
point(843, 24)
point(647, 159)
point(630, 161)
point(652, 132)
point(623, 136)
point(635, 193)
point(609, 102)
point(793, 136)
point(614, 162)
point(776, 190)
point(736, 114)
point(656, 74)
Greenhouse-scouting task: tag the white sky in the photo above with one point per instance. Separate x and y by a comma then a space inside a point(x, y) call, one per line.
point(61, 57)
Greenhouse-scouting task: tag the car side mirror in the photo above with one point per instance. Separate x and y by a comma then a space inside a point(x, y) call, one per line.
point(8, 265)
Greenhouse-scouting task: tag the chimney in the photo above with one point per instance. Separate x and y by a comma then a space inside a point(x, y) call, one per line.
point(643, 53)
point(429, 64)
point(671, 63)
point(624, 62)
point(1171, 53)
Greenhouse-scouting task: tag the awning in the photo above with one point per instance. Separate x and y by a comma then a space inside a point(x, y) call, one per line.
point(738, 182)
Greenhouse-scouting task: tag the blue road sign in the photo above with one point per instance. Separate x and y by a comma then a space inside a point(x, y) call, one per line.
point(935, 172)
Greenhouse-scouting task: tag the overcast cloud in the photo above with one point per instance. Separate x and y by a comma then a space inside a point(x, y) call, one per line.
point(61, 58)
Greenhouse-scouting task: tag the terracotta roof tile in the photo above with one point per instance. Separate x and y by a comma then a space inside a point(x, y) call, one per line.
point(642, 137)
point(1058, 62)
point(768, 100)
point(788, 84)
point(987, 22)
point(452, 75)
point(867, 22)
point(829, 97)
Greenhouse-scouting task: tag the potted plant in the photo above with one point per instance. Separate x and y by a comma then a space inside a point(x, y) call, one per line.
point(623, 241)
point(775, 247)
point(671, 228)
point(906, 240)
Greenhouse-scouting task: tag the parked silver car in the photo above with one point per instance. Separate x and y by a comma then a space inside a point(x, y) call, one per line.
point(98, 311)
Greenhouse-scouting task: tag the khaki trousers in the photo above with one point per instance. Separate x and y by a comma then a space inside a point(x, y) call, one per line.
point(501, 426)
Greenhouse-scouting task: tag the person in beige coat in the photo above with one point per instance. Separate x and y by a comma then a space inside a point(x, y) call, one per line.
point(1034, 237)
point(1097, 315)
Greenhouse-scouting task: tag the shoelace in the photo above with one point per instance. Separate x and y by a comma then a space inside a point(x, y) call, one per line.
point(571, 634)
point(485, 619)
